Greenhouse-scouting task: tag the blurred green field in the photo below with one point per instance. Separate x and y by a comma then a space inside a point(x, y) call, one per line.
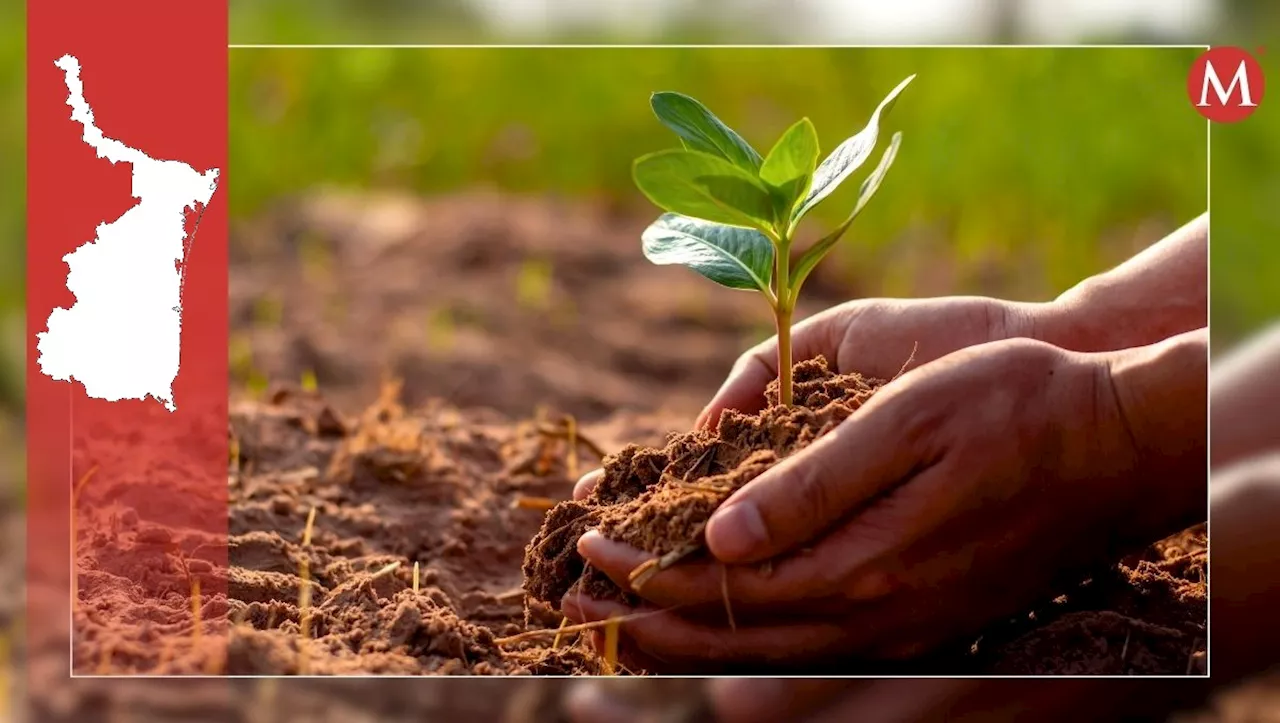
point(13, 182)
point(942, 117)
point(1244, 246)
point(1025, 169)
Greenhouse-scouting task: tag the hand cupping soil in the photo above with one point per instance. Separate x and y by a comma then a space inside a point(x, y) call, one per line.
point(1144, 615)
point(659, 500)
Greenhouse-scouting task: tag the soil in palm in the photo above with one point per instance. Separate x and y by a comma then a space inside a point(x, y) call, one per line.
point(1145, 614)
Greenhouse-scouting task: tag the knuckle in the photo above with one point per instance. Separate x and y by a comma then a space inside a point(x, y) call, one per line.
point(811, 487)
point(756, 356)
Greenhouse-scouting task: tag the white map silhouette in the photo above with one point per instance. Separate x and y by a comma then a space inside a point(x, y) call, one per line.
point(121, 338)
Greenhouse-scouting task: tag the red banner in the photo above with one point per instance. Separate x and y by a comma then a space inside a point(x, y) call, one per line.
point(127, 334)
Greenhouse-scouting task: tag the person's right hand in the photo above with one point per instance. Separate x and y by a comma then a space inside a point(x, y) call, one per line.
point(903, 700)
point(875, 338)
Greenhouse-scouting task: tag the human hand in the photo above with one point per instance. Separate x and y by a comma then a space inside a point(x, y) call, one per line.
point(754, 700)
point(957, 494)
point(875, 338)
point(1245, 568)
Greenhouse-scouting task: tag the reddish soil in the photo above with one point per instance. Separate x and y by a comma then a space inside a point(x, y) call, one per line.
point(659, 500)
point(1144, 616)
point(505, 309)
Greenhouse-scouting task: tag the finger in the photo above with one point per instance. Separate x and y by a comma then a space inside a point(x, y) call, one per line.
point(826, 570)
point(891, 700)
point(666, 636)
point(590, 702)
point(803, 496)
point(587, 483)
point(755, 700)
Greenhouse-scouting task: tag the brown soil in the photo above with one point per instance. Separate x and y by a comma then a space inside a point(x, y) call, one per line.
point(500, 306)
point(442, 487)
point(439, 488)
point(1145, 616)
point(659, 500)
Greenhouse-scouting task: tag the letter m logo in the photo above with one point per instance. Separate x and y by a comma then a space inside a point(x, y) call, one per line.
point(1232, 100)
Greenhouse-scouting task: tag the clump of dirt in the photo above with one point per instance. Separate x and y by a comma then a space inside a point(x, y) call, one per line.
point(329, 516)
point(659, 500)
point(1144, 616)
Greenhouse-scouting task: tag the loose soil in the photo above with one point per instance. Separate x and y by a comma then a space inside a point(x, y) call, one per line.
point(1143, 616)
point(442, 487)
point(659, 500)
point(507, 308)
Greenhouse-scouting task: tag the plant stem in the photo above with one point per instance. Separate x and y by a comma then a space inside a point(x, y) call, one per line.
point(782, 313)
point(784, 356)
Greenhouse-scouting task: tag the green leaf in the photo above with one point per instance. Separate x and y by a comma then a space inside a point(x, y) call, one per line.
point(739, 258)
point(700, 130)
point(849, 155)
point(870, 185)
point(692, 183)
point(790, 164)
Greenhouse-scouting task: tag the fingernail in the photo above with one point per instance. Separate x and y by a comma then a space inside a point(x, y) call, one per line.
point(735, 531)
point(588, 701)
point(587, 483)
point(571, 609)
point(588, 539)
point(584, 695)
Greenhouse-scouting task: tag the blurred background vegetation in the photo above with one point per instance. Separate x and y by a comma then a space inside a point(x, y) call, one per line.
point(13, 182)
point(370, 138)
point(1022, 170)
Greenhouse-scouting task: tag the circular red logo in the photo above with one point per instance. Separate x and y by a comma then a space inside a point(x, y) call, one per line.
point(1225, 84)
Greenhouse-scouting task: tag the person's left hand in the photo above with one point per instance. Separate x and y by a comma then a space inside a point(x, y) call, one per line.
point(957, 494)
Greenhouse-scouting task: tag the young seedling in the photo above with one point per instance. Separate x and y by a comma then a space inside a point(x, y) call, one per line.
point(732, 215)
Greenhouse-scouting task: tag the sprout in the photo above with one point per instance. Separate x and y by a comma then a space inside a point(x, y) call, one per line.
point(732, 215)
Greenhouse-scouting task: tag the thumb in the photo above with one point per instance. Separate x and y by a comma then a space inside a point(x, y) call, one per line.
point(800, 498)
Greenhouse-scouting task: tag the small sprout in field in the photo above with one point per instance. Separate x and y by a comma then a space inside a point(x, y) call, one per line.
point(240, 356)
point(416, 577)
point(441, 328)
point(571, 434)
point(304, 594)
point(559, 638)
point(533, 285)
point(541, 504)
point(732, 215)
point(195, 613)
point(75, 506)
point(385, 570)
point(267, 311)
point(309, 383)
point(317, 260)
point(257, 384)
point(610, 660)
point(311, 523)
